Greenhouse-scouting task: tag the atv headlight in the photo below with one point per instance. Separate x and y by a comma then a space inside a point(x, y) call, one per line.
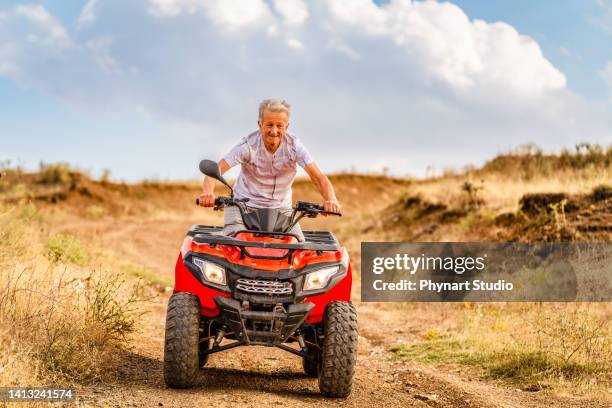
point(210, 271)
point(319, 279)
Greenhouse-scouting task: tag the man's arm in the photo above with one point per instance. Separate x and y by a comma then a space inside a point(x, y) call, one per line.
point(207, 198)
point(324, 186)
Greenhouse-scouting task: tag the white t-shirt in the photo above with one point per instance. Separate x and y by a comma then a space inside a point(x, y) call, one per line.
point(266, 178)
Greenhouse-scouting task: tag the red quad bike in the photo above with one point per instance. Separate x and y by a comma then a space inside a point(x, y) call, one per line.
point(262, 287)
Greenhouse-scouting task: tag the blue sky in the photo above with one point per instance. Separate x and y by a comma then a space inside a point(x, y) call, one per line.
point(149, 87)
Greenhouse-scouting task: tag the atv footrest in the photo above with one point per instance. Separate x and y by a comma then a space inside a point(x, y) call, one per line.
point(240, 321)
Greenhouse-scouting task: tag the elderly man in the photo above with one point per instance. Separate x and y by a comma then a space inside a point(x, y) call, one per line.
point(268, 159)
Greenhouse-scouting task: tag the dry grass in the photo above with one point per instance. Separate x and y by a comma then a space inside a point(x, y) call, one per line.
point(502, 181)
point(529, 161)
point(130, 268)
point(502, 192)
point(57, 173)
point(565, 348)
point(61, 319)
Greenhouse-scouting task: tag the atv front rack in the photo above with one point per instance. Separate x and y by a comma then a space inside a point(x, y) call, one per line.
point(314, 240)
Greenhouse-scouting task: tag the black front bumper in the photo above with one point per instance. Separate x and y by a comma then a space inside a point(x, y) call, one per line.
point(283, 324)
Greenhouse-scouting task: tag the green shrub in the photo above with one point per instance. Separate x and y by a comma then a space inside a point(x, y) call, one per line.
point(81, 325)
point(57, 173)
point(65, 248)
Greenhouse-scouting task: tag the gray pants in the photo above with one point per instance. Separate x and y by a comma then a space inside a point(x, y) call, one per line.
point(233, 222)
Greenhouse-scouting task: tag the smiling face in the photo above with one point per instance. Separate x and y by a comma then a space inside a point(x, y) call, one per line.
point(273, 126)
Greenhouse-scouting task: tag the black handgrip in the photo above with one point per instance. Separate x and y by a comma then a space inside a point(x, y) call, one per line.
point(307, 206)
point(313, 209)
point(332, 213)
point(224, 201)
point(221, 201)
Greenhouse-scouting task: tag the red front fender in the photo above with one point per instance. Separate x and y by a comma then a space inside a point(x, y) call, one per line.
point(184, 281)
point(342, 292)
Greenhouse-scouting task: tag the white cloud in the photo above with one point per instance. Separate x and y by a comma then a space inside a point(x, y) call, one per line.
point(295, 44)
point(435, 41)
point(419, 83)
point(39, 17)
point(170, 8)
point(364, 13)
point(338, 45)
point(227, 15)
point(461, 52)
point(272, 30)
point(238, 13)
point(294, 12)
point(88, 14)
point(101, 53)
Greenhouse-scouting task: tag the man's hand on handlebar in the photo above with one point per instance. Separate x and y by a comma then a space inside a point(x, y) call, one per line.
point(218, 203)
point(207, 199)
point(331, 206)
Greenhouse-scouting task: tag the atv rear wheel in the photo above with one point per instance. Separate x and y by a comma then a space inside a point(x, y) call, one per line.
point(181, 348)
point(339, 352)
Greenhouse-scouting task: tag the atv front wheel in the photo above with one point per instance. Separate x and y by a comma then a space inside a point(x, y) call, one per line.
point(181, 348)
point(339, 350)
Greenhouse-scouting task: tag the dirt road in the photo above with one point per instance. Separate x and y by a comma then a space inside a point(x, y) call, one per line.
point(259, 376)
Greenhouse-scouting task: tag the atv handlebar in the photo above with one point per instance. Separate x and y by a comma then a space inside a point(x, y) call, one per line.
point(221, 202)
point(309, 209)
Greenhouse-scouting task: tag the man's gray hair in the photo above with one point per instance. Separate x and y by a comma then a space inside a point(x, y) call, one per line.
point(274, 105)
